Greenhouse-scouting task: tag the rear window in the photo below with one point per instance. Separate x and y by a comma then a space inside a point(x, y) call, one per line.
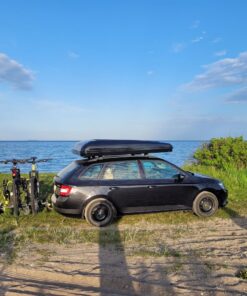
point(68, 169)
point(91, 172)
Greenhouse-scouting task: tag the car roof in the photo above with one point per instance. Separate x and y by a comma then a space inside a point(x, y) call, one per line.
point(108, 158)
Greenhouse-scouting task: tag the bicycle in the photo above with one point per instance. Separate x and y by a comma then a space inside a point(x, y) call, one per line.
point(13, 195)
point(33, 182)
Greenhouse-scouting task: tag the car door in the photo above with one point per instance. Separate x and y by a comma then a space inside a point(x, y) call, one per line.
point(166, 189)
point(125, 185)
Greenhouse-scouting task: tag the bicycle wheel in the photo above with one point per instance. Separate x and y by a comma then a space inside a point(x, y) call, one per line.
point(15, 200)
point(33, 195)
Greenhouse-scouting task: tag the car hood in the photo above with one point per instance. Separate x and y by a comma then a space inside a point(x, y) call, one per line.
point(205, 178)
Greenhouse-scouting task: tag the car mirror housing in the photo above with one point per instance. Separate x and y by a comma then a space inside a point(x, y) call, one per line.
point(180, 177)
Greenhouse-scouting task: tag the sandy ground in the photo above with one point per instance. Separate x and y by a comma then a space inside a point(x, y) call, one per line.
point(203, 260)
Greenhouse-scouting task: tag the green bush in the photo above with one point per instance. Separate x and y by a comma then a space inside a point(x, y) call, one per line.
point(223, 153)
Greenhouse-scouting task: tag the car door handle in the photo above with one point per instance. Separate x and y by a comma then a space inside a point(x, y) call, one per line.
point(114, 188)
point(151, 186)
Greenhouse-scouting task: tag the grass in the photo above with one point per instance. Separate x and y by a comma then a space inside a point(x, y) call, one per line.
point(51, 227)
point(158, 251)
point(7, 241)
point(242, 274)
point(235, 181)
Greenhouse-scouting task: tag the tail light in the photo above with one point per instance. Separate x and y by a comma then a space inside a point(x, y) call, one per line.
point(14, 172)
point(65, 190)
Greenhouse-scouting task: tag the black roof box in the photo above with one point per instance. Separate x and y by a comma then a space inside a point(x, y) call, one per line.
point(97, 148)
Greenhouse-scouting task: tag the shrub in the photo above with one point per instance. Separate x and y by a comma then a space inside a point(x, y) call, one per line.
point(223, 153)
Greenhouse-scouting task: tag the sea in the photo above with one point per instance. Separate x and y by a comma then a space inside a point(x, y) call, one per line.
point(60, 153)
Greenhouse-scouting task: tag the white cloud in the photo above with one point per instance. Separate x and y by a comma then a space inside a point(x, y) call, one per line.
point(220, 53)
point(178, 47)
point(223, 73)
point(15, 73)
point(197, 39)
point(73, 55)
point(238, 96)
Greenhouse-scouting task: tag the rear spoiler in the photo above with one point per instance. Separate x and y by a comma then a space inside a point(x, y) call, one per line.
point(98, 148)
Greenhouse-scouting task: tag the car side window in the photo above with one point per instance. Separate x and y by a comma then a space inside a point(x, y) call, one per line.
point(157, 169)
point(122, 170)
point(92, 172)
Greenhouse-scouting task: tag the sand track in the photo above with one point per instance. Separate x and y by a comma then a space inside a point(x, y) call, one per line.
point(203, 260)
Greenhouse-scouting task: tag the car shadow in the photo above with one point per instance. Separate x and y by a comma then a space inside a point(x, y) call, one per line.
point(239, 220)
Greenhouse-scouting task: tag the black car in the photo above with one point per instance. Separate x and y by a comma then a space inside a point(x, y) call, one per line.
point(102, 185)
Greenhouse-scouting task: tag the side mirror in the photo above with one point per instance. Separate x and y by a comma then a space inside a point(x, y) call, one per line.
point(180, 177)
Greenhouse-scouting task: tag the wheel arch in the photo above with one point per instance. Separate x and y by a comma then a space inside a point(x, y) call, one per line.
point(211, 190)
point(88, 200)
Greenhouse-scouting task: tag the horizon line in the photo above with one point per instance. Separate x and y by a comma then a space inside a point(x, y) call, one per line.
point(189, 140)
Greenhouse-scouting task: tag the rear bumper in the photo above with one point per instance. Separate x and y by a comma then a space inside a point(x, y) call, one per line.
point(67, 211)
point(58, 206)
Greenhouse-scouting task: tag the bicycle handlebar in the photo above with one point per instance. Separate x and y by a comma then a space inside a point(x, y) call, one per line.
point(13, 161)
point(27, 160)
point(35, 160)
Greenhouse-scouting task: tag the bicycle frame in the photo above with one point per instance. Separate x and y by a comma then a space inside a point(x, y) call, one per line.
point(36, 203)
point(30, 186)
point(6, 192)
point(13, 196)
point(34, 170)
point(16, 177)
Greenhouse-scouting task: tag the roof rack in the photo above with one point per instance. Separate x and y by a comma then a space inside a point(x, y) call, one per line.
point(100, 148)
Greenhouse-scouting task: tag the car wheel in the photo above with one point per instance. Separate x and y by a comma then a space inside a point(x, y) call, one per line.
point(205, 204)
point(100, 212)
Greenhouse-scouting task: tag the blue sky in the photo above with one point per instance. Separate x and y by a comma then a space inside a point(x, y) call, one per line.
point(122, 69)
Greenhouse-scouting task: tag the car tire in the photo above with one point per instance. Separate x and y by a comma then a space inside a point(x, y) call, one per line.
point(205, 204)
point(100, 212)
